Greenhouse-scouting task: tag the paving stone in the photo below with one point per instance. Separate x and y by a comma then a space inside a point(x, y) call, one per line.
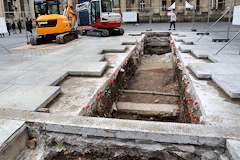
point(148, 109)
point(86, 69)
point(7, 76)
point(229, 58)
point(8, 128)
point(27, 97)
point(204, 50)
point(230, 84)
point(233, 147)
point(115, 49)
point(206, 70)
point(205, 53)
point(40, 78)
point(18, 66)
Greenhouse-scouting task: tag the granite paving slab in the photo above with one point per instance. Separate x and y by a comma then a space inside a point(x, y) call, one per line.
point(206, 70)
point(27, 97)
point(43, 78)
point(233, 147)
point(8, 128)
point(86, 69)
point(230, 84)
point(206, 52)
point(7, 76)
point(229, 58)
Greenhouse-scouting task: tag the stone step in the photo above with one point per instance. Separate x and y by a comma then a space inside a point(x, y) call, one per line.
point(148, 109)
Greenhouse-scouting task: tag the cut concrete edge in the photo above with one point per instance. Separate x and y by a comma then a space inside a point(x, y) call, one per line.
point(59, 80)
point(56, 92)
point(233, 147)
point(164, 132)
point(198, 74)
point(212, 58)
point(117, 50)
point(90, 73)
point(200, 56)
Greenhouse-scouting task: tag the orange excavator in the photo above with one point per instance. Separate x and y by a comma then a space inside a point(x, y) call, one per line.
point(56, 27)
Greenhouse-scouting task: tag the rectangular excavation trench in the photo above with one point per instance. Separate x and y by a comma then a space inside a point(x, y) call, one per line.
point(148, 88)
point(151, 88)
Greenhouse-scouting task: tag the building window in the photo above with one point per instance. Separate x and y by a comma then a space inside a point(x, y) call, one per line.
point(164, 5)
point(221, 4)
point(142, 5)
point(198, 6)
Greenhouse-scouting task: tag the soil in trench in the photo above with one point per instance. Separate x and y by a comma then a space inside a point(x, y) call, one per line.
point(156, 73)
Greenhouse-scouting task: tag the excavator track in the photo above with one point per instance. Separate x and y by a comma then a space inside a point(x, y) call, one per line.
point(37, 39)
point(66, 37)
point(105, 32)
point(98, 32)
point(60, 39)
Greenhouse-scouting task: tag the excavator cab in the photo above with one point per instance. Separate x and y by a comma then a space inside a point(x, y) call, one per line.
point(102, 15)
point(45, 7)
point(103, 20)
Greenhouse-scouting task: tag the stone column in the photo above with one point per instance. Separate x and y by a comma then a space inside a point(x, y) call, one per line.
point(2, 10)
point(123, 5)
point(156, 6)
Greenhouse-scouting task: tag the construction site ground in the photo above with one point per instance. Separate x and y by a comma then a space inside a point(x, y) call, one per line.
point(52, 91)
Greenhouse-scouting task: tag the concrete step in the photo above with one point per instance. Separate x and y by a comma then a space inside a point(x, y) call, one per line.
point(148, 109)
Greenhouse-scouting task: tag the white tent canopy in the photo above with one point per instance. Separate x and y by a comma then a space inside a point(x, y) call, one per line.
point(3, 27)
point(173, 6)
point(187, 5)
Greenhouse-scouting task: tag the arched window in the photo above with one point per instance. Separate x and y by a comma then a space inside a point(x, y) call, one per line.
point(142, 5)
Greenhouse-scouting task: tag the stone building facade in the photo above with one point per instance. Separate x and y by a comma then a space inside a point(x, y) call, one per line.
point(156, 10)
point(14, 10)
point(148, 10)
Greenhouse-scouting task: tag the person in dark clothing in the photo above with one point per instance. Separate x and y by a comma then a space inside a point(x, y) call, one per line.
point(8, 28)
point(2, 35)
point(14, 28)
point(19, 26)
point(30, 25)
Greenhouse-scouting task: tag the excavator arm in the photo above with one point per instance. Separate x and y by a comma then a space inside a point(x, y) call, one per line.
point(73, 13)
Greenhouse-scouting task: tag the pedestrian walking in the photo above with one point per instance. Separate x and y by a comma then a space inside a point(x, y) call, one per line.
point(29, 30)
point(2, 35)
point(173, 19)
point(19, 26)
point(8, 28)
point(14, 28)
point(30, 25)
